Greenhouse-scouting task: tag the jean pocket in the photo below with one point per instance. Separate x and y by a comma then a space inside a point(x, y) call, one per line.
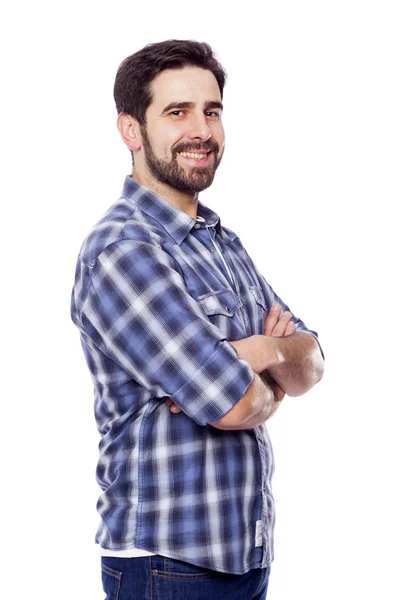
point(111, 580)
point(177, 569)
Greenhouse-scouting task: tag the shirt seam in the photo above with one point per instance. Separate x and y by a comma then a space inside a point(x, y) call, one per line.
point(119, 237)
point(139, 510)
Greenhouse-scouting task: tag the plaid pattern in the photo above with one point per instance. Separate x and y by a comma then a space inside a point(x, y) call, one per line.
point(155, 306)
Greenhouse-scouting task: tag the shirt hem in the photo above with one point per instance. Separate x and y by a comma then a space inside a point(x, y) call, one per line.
point(173, 555)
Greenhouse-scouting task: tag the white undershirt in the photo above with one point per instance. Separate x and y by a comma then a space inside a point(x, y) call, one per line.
point(218, 250)
point(131, 553)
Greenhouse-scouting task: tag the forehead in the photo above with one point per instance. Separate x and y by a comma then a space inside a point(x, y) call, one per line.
point(190, 84)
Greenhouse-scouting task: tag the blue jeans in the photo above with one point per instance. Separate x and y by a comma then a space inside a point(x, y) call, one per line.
point(159, 578)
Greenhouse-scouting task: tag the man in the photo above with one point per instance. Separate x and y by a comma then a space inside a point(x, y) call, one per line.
point(190, 351)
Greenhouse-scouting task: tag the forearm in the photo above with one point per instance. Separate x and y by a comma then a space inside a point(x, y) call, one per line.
point(294, 361)
point(267, 401)
point(300, 364)
point(252, 349)
point(256, 406)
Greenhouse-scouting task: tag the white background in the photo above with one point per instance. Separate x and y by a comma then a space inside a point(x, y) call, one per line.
point(309, 181)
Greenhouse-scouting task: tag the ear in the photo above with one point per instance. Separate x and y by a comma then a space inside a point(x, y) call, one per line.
point(128, 129)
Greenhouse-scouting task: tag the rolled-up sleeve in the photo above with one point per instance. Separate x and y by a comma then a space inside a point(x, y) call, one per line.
point(139, 313)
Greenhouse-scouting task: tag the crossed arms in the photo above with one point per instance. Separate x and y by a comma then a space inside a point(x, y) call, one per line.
point(283, 361)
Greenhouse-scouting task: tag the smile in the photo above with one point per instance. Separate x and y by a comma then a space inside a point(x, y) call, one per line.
point(197, 159)
point(193, 155)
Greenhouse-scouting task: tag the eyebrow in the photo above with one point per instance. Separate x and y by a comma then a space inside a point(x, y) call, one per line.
point(179, 105)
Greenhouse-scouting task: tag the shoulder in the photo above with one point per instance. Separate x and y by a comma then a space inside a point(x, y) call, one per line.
point(124, 222)
point(228, 235)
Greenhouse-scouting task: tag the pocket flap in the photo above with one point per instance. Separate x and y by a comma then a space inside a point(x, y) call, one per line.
point(224, 302)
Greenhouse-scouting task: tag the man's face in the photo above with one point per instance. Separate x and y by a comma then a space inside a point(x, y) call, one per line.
point(184, 117)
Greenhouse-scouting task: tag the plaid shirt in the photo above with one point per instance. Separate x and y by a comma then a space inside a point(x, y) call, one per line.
point(157, 296)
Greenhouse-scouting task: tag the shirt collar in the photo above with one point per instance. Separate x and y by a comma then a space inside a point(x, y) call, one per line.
point(176, 222)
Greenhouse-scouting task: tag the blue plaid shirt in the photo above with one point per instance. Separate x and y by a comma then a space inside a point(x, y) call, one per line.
point(156, 305)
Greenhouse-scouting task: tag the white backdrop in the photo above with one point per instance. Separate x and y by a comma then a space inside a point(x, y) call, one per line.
point(309, 181)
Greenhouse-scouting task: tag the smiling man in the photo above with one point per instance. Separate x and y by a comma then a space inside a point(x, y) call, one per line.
point(180, 144)
point(189, 348)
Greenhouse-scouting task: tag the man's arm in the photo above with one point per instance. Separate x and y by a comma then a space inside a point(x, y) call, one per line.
point(283, 362)
point(262, 397)
point(293, 361)
point(256, 406)
point(139, 313)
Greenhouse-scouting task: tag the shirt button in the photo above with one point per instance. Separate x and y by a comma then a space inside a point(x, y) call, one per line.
point(227, 309)
point(197, 226)
point(212, 249)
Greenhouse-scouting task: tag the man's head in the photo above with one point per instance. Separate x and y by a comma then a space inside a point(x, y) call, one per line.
point(169, 99)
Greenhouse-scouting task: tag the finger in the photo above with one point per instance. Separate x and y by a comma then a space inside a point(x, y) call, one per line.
point(172, 406)
point(280, 327)
point(272, 319)
point(291, 328)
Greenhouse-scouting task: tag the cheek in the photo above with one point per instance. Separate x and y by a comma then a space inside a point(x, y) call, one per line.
point(173, 131)
point(172, 138)
point(219, 136)
point(164, 139)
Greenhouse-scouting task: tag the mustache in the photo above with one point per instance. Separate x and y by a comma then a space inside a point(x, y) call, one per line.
point(211, 147)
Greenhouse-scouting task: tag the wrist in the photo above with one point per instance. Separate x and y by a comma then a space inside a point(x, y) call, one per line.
point(260, 351)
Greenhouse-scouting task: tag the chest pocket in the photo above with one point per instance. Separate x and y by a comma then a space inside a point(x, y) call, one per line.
point(221, 308)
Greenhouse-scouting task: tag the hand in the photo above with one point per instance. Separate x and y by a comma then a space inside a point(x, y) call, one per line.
point(174, 408)
point(276, 325)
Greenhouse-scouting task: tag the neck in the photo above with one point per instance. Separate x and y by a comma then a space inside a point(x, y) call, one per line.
point(183, 201)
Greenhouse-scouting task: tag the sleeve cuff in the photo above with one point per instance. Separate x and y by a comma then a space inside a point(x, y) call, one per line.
point(216, 386)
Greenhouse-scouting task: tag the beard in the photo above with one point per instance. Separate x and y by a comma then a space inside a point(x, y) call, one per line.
point(172, 174)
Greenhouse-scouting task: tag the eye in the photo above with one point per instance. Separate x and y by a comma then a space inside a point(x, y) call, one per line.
point(174, 112)
point(214, 114)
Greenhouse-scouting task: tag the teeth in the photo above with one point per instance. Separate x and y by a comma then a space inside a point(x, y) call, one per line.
point(192, 155)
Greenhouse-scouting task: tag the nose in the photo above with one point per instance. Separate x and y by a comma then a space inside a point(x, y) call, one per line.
point(199, 128)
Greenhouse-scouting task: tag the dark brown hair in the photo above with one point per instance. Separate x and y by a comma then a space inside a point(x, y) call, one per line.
point(132, 93)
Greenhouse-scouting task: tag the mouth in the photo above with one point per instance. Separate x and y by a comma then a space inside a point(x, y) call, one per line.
point(196, 159)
